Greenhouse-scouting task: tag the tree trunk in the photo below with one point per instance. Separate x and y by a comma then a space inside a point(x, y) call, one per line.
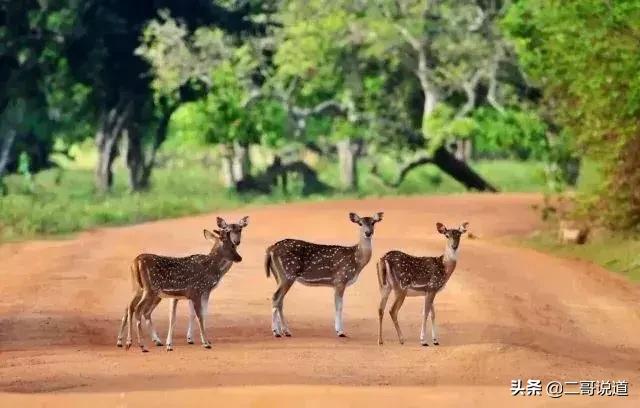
point(462, 149)
point(135, 160)
point(109, 131)
point(139, 162)
point(460, 171)
point(107, 153)
point(241, 166)
point(226, 162)
point(347, 159)
point(5, 149)
point(447, 162)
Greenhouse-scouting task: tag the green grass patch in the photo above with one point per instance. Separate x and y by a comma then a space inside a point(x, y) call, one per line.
point(616, 253)
point(506, 175)
point(63, 201)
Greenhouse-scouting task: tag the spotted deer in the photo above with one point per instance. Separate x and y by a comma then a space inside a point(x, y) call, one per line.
point(194, 277)
point(292, 260)
point(417, 276)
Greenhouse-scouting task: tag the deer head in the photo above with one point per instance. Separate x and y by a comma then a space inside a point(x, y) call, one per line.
point(223, 244)
point(234, 231)
point(366, 223)
point(453, 235)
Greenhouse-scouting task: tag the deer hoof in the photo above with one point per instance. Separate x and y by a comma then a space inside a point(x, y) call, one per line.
point(424, 344)
point(436, 343)
point(380, 342)
point(158, 343)
point(207, 346)
point(127, 345)
point(119, 343)
point(341, 334)
point(144, 350)
point(189, 340)
point(169, 347)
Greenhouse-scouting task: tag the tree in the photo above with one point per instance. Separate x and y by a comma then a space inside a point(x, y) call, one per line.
point(450, 51)
point(102, 56)
point(584, 56)
point(39, 102)
point(321, 67)
point(208, 62)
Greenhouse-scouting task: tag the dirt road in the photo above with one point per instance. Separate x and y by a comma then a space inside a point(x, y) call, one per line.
point(507, 313)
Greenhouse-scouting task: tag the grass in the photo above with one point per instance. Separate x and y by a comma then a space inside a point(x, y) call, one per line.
point(507, 175)
point(616, 253)
point(63, 201)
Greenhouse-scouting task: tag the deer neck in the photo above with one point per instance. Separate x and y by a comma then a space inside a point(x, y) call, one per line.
point(363, 251)
point(449, 259)
point(217, 262)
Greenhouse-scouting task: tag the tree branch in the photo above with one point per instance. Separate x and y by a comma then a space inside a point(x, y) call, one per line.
point(299, 114)
point(469, 87)
point(493, 83)
point(410, 39)
point(404, 170)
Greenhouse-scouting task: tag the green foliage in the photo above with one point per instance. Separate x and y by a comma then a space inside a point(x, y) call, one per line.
point(443, 125)
point(584, 53)
point(39, 101)
point(509, 134)
point(221, 116)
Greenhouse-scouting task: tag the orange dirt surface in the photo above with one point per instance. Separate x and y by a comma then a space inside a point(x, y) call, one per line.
point(507, 313)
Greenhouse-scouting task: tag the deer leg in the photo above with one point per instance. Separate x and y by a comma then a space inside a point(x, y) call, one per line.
point(397, 304)
point(282, 321)
point(147, 315)
point(123, 324)
point(192, 317)
point(198, 306)
point(275, 322)
point(172, 323)
point(433, 326)
point(125, 317)
point(140, 307)
point(385, 291)
point(130, 310)
point(205, 307)
point(425, 316)
point(339, 300)
point(277, 303)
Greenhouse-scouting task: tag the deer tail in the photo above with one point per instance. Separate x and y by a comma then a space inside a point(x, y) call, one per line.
point(267, 263)
point(382, 273)
point(136, 280)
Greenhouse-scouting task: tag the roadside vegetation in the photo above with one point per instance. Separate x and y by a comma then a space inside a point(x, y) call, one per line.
point(62, 200)
point(616, 253)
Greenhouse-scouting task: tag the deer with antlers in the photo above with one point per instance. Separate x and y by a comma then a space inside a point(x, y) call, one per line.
point(292, 260)
point(194, 277)
point(417, 276)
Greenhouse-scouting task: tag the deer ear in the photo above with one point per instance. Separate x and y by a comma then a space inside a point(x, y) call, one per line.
point(243, 222)
point(210, 236)
point(378, 217)
point(441, 228)
point(463, 227)
point(354, 218)
point(221, 223)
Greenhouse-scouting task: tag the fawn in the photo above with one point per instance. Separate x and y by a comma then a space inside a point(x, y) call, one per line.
point(292, 260)
point(417, 276)
point(194, 277)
